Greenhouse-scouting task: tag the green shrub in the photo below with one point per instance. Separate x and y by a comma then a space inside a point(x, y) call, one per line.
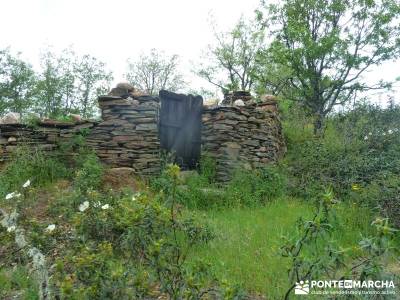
point(74, 150)
point(98, 274)
point(383, 194)
point(31, 164)
point(358, 147)
point(247, 188)
point(314, 253)
point(207, 168)
point(198, 193)
point(89, 176)
point(15, 280)
point(254, 187)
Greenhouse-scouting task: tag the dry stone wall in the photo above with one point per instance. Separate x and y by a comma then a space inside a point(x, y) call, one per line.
point(127, 135)
point(248, 136)
point(44, 136)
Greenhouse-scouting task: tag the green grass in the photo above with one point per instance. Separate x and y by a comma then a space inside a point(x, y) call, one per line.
point(246, 248)
point(16, 283)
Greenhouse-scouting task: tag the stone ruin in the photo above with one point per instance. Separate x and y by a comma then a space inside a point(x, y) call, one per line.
point(236, 133)
point(249, 135)
point(127, 136)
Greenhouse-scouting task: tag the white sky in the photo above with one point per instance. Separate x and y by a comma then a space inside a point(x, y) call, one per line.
point(115, 30)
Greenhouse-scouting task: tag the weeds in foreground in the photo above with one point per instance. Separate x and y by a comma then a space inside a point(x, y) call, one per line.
point(120, 245)
point(309, 261)
point(248, 188)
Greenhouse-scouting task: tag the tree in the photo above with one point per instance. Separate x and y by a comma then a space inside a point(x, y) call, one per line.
point(17, 80)
point(56, 85)
point(70, 83)
point(92, 80)
point(270, 78)
point(328, 45)
point(154, 72)
point(231, 62)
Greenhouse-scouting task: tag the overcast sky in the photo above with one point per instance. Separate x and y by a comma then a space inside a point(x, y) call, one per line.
point(116, 30)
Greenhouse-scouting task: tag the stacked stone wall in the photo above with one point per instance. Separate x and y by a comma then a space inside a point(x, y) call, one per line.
point(248, 136)
point(45, 136)
point(127, 136)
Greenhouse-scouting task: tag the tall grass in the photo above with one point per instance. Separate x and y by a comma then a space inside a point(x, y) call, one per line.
point(31, 164)
point(246, 250)
point(248, 188)
point(17, 282)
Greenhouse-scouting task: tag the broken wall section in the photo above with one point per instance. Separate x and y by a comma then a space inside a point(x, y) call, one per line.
point(45, 136)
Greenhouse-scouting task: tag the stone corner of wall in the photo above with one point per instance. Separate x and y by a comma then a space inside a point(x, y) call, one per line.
point(249, 135)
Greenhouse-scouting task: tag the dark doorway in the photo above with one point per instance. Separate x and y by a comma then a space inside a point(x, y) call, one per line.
point(180, 127)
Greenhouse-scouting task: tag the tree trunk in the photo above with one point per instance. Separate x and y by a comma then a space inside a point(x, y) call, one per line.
point(319, 125)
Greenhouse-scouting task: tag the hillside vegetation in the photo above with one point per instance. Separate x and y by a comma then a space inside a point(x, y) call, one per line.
point(188, 237)
point(329, 210)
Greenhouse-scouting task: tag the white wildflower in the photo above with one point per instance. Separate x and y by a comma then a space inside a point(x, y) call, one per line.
point(84, 206)
point(26, 184)
point(390, 131)
point(10, 195)
point(97, 204)
point(384, 133)
point(50, 228)
point(135, 196)
point(13, 195)
point(370, 133)
point(11, 228)
point(105, 206)
point(365, 138)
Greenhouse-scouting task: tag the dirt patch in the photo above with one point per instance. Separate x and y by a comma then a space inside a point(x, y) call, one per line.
point(119, 178)
point(38, 208)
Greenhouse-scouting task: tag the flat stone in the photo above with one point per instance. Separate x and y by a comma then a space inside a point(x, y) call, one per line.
point(251, 142)
point(137, 145)
point(146, 126)
point(222, 127)
point(11, 118)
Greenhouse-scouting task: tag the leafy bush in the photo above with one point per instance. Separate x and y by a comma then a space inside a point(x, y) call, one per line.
point(207, 168)
point(95, 273)
point(360, 262)
point(151, 240)
point(358, 147)
point(44, 167)
point(74, 150)
point(254, 187)
point(383, 194)
point(198, 193)
point(15, 280)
